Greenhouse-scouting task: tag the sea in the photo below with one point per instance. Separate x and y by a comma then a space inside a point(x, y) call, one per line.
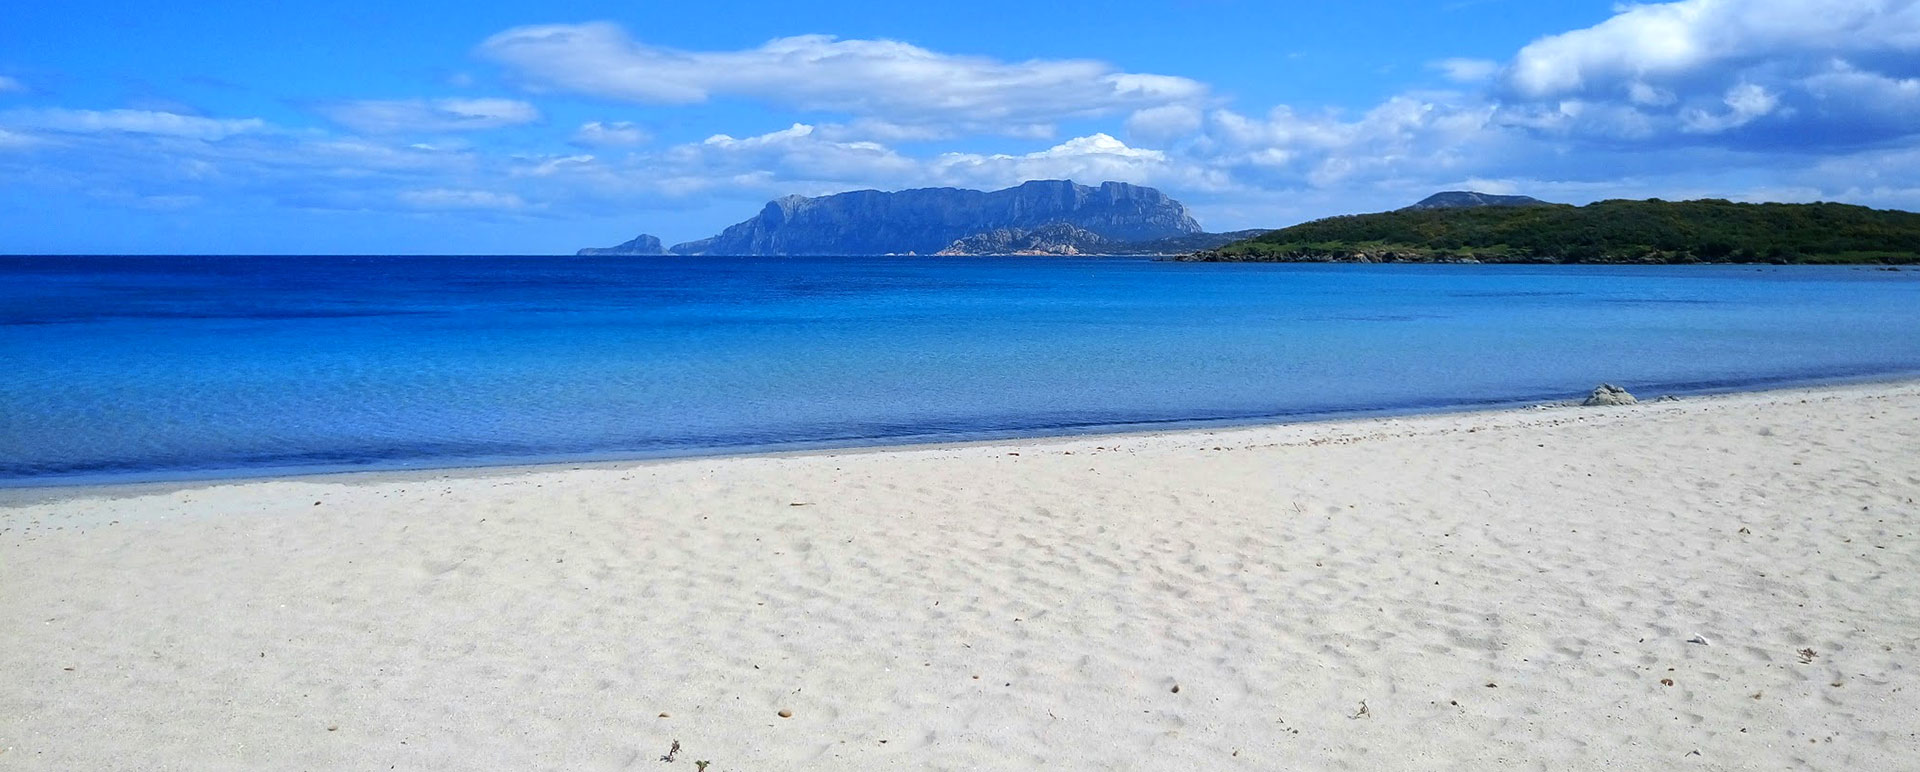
point(130, 369)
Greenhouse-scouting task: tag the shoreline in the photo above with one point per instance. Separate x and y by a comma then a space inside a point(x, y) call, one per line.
point(58, 487)
point(1711, 583)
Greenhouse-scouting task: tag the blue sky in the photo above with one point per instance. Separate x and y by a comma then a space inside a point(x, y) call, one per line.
point(481, 127)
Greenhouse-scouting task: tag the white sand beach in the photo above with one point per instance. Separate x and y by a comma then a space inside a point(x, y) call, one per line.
point(1499, 590)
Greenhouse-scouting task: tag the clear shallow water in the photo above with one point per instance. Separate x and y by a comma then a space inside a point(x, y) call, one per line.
point(155, 367)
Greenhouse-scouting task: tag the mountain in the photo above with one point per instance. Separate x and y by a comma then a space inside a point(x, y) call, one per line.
point(1654, 231)
point(643, 244)
point(924, 221)
point(1467, 199)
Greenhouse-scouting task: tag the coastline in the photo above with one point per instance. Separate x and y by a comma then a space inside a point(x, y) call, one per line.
point(24, 490)
point(1494, 589)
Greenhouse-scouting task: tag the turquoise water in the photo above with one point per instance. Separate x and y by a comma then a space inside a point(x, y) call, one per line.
point(156, 367)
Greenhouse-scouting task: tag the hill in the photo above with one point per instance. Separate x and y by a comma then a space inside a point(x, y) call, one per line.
point(1467, 199)
point(1653, 231)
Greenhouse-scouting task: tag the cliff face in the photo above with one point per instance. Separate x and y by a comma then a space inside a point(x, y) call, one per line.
point(872, 222)
point(643, 244)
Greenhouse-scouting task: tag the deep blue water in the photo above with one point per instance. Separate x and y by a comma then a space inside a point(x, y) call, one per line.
point(153, 367)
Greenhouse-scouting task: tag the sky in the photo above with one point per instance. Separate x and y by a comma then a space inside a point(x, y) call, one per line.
point(487, 127)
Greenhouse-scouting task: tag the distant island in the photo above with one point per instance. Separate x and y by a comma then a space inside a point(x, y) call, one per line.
point(1463, 227)
point(1060, 217)
point(1048, 217)
point(643, 245)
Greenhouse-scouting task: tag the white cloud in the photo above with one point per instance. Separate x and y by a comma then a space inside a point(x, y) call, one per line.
point(1744, 102)
point(1441, 134)
point(131, 122)
point(398, 116)
point(551, 166)
point(805, 159)
point(11, 85)
point(614, 134)
point(796, 153)
point(1467, 70)
point(1764, 72)
point(1165, 122)
point(1667, 39)
point(450, 199)
point(894, 81)
point(1095, 158)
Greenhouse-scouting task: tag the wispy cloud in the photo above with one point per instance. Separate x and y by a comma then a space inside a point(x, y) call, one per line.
point(898, 82)
point(14, 141)
point(429, 116)
point(1461, 70)
point(610, 134)
point(11, 85)
point(441, 199)
point(131, 122)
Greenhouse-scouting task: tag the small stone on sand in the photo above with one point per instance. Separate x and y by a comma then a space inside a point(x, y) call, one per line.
point(786, 714)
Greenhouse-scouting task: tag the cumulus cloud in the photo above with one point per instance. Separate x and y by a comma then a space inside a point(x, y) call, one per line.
point(807, 159)
point(1098, 156)
point(1762, 71)
point(610, 134)
point(131, 122)
point(885, 79)
point(798, 153)
point(402, 116)
point(1439, 134)
point(1671, 39)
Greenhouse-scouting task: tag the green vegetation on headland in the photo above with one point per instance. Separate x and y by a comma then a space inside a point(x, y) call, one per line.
point(1654, 231)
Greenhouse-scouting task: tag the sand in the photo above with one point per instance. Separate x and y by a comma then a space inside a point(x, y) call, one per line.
point(1502, 590)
